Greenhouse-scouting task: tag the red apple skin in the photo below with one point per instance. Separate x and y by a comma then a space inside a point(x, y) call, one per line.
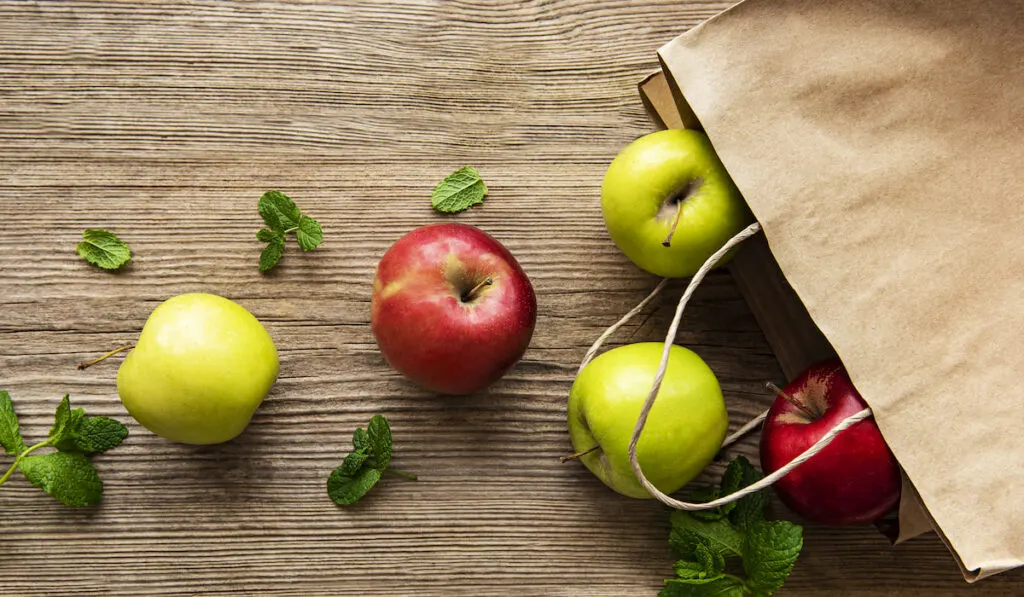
point(424, 328)
point(855, 479)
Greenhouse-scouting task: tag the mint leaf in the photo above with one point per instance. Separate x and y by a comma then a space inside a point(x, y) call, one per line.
point(282, 217)
point(353, 462)
point(708, 494)
point(723, 586)
point(363, 467)
point(67, 476)
point(748, 510)
point(732, 480)
point(718, 536)
point(379, 434)
point(360, 440)
point(459, 191)
point(347, 489)
point(103, 249)
point(689, 570)
point(271, 254)
point(10, 434)
point(711, 561)
point(769, 554)
point(767, 549)
point(267, 235)
point(278, 211)
point(308, 233)
point(93, 435)
point(65, 421)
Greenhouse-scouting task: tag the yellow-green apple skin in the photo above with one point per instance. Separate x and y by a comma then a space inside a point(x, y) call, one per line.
point(651, 180)
point(201, 367)
point(684, 430)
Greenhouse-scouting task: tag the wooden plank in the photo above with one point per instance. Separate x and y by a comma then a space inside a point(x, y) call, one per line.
point(165, 121)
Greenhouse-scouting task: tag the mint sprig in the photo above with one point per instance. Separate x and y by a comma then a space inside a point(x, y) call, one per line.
point(67, 474)
point(459, 191)
point(706, 540)
point(103, 249)
point(283, 217)
point(363, 467)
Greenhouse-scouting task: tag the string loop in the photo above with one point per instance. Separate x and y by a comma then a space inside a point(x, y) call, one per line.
point(673, 329)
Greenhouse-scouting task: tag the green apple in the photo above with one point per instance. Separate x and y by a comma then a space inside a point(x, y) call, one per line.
point(669, 203)
point(201, 367)
point(684, 431)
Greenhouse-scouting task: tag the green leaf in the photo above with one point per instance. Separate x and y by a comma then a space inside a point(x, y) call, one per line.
point(353, 462)
point(347, 489)
point(689, 570)
point(271, 254)
point(103, 249)
point(748, 510)
point(723, 586)
point(768, 549)
point(278, 211)
point(10, 434)
point(360, 440)
point(689, 532)
point(267, 235)
point(459, 191)
point(711, 561)
point(707, 494)
point(93, 435)
point(379, 433)
point(732, 480)
point(309, 234)
point(65, 421)
point(769, 553)
point(67, 476)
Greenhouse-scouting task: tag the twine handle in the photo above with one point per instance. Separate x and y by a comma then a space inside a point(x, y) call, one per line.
point(765, 482)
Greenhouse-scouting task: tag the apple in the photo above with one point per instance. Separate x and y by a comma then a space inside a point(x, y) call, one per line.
point(452, 310)
point(855, 479)
point(669, 203)
point(201, 367)
point(684, 430)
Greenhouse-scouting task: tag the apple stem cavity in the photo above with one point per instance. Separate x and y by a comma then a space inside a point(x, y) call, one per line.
point(401, 474)
point(578, 455)
point(470, 295)
point(677, 198)
point(86, 364)
point(792, 400)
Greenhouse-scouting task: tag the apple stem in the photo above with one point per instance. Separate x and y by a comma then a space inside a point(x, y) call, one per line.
point(675, 223)
point(402, 474)
point(577, 455)
point(790, 399)
point(468, 296)
point(81, 366)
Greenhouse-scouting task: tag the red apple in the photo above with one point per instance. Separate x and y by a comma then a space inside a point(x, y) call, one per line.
point(452, 309)
point(855, 479)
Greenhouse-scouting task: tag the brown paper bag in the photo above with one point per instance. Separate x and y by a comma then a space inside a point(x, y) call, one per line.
point(881, 146)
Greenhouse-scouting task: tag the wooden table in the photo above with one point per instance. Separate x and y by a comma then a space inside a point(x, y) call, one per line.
point(165, 122)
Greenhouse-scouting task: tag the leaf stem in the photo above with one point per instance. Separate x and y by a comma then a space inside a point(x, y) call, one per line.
point(287, 230)
point(402, 474)
point(18, 459)
point(81, 366)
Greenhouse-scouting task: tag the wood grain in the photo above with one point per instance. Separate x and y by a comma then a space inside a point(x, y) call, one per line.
point(165, 121)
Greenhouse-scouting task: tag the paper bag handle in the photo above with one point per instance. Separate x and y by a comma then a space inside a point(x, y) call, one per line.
point(765, 482)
